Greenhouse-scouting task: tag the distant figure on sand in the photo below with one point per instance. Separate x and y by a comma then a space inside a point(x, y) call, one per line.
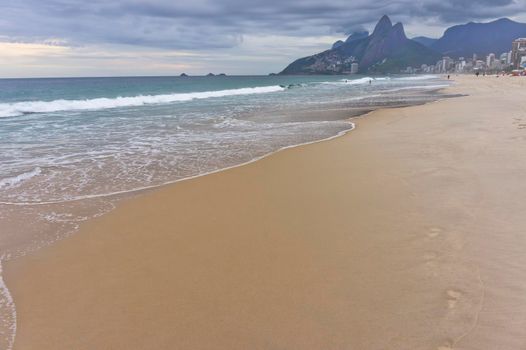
point(477, 74)
point(448, 77)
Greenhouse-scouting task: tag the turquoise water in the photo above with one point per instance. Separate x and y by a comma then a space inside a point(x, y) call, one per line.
point(67, 139)
point(70, 148)
point(16, 90)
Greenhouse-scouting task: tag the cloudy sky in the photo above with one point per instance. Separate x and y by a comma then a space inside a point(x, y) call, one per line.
point(166, 37)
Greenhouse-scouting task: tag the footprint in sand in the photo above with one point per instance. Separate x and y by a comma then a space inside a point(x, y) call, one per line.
point(452, 297)
point(430, 256)
point(448, 345)
point(517, 121)
point(434, 231)
point(430, 262)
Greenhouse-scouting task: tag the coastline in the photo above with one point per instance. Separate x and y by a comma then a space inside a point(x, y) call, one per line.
point(286, 251)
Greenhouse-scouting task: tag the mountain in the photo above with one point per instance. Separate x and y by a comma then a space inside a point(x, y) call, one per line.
point(354, 36)
point(386, 50)
point(357, 35)
point(480, 38)
point(425, 40)
point(337, 44)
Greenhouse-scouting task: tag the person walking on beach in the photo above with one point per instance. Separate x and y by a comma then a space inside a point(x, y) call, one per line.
point(448, 77)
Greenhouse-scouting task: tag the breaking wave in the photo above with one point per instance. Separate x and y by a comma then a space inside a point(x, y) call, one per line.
point(419, 77)
point(27, 107)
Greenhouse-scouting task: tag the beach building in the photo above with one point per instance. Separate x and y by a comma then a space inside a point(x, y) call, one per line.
point(504, 57)
point(518, 51)
point(460, 65)
point(490, 59)
point(445, 64)
point(479, 64)
point(354, 68)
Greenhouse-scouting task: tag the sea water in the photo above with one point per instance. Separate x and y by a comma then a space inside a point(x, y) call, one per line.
point(70, 148)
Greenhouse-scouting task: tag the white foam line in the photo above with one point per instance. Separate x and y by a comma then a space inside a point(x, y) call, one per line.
point(16, 180)
point(7, 302)
point(4, 291)
point(24, 107)
point(116, 193)
point(419, 77)
point(423, 87)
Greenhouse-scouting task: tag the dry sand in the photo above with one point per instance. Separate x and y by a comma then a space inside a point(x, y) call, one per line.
point(407, 233)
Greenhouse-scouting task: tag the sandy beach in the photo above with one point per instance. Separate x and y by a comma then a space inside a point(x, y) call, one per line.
point(406, 233)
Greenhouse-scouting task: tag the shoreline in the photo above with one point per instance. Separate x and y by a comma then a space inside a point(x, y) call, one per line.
point(299, 243)
point(131, 194)
point(54, 233)
point(172, 182)
point(438, 90)
point(348, 120)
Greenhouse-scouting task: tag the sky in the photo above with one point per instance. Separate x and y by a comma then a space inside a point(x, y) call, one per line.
point(48, 38)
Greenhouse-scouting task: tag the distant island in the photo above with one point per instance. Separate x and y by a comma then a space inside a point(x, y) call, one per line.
point(208, 75)
point(388, 50)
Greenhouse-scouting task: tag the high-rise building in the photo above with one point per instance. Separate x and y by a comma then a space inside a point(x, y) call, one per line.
point(518, 50)
point(503, 58)
point(446, 64)
point(354, 68)
point(490, 59)
point(479, 64)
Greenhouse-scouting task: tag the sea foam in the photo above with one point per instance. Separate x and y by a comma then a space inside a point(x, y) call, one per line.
point(18, 179)
point(419, 77)
point(27, 107)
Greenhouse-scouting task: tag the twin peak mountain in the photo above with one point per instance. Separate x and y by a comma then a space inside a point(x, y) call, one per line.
point(386, 50)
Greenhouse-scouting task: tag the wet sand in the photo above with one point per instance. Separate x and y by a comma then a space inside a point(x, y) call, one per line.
point(407, 233)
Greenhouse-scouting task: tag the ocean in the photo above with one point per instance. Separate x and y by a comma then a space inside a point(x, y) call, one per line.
point(71, 147)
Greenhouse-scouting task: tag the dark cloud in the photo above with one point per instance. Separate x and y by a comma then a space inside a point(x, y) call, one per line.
point(451, 11)
point(208, 24)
